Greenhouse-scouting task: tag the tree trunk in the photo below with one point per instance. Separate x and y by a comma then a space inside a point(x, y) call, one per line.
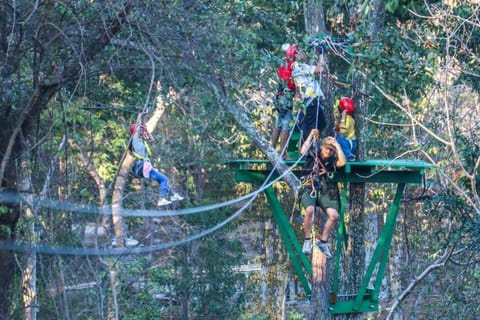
point(29, 260)
point(14, 121)
point(320, 281)
point(356, 255)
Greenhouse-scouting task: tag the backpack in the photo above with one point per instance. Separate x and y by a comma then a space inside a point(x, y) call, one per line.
point(137, 168)
point(285, 75)
point(283, 100)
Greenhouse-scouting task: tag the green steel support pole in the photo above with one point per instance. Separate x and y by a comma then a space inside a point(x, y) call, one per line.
point(290, 239)
point(340, 237)
point(380, 255)
point(390, 226)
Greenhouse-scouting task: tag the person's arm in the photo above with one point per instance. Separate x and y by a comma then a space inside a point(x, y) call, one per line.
point(320, 65)
point(341, 160)
point(147, 135)
point(314, 134)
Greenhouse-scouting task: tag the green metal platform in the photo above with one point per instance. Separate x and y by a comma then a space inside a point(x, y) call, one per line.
point(398, 171)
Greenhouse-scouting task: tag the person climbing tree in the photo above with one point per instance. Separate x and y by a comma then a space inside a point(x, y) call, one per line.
point(143, 168)
point(345, 128)
point(308, 89)
point(322, 157)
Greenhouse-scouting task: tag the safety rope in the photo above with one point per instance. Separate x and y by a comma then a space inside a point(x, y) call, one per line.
point(81, 251)
point(139, 156)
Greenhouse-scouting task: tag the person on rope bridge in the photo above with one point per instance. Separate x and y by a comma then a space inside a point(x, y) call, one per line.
point(345, 128)
point(143, 168)
point(322, 158)
point(308, 90)
point(283, 103)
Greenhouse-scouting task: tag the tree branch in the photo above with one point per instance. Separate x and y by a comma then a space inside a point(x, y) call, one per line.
point(439, 263)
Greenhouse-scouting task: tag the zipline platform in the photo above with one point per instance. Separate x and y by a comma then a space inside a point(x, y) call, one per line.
point(397, 171)
point(367, 171)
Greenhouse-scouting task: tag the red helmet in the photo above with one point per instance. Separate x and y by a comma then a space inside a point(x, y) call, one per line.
point(134, 126)
point(291, 51)
point(346, 104)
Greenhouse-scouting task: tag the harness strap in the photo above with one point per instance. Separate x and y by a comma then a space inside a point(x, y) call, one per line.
point(139, 156)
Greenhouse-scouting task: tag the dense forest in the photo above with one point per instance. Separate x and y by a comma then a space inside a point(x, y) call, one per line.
point(82, 238)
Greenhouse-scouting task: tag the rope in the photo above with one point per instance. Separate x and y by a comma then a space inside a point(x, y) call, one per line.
point(63, 250)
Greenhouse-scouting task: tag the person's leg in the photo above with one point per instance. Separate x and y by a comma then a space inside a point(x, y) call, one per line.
point(164, 188)
point(275, 135)
point(332, 218)
point(308, 202)
point(283, 143)
point(345, 144)
point(309, 120)
point(286, 126)
point(308, 221)
point(354, 145)
point(330, 223)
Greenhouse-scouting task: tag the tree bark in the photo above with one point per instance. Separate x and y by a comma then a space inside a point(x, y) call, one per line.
point(320, 289)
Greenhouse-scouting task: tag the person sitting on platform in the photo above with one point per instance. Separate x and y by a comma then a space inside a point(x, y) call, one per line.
point(322, 157)
point(346, 128)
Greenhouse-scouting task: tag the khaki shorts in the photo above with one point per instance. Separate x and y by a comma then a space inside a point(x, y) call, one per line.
point(321, 200)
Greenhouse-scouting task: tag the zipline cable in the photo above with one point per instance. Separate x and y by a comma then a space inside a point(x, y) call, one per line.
point(46, 249)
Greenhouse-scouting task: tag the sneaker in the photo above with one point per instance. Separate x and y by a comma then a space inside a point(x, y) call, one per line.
point(176, 197)
point(163, 202)
point(324, 248)
point(352, 158)
point(307, 247)
point(131, 242)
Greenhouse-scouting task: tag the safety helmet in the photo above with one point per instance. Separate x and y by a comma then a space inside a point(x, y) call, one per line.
point(346, 104)
point(133, 127)
point(291, 51)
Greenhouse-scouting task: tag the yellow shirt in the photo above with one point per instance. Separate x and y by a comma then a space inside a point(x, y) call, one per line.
point(347, 128)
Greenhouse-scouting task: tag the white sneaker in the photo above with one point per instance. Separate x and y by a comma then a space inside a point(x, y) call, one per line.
point(163, 202)
point(307, 247)
point(324, 248)
point(131, 242)
point(176, 197)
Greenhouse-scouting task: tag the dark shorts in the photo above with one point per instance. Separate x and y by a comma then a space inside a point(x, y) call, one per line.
point(321, 200)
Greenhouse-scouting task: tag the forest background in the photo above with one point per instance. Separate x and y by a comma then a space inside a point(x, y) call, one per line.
point(76, 74)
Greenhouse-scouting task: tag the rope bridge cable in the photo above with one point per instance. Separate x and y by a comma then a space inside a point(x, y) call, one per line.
point(89, 209)
point(77, 251)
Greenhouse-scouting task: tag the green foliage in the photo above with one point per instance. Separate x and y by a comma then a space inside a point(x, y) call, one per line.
point(204, 277)
point(175, 50)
